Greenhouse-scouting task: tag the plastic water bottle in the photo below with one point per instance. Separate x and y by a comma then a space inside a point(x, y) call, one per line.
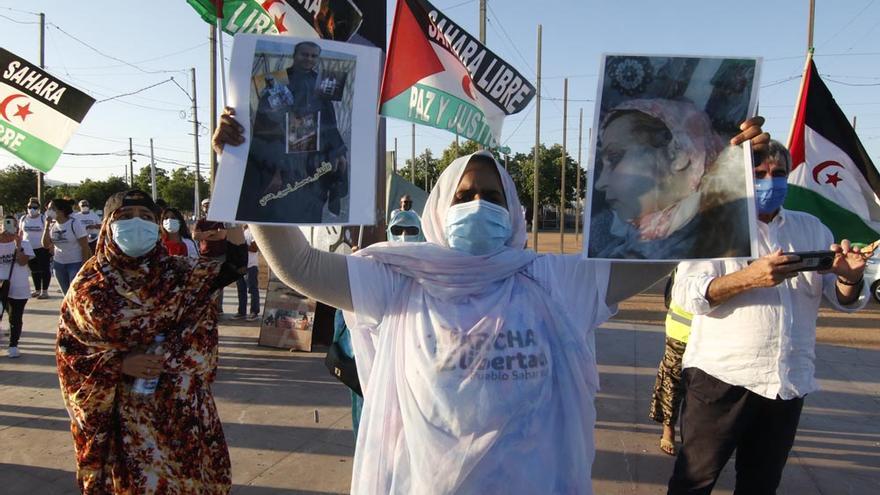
point(146, 386)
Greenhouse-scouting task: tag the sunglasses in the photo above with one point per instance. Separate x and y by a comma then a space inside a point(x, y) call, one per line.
point(398, 230)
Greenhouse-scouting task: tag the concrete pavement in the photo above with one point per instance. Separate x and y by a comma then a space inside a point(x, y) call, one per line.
point(288, 425)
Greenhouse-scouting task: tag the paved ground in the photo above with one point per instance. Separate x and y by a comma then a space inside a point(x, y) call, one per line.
point(288, 424)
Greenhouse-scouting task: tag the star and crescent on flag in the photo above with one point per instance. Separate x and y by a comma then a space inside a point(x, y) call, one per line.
point(23, 110)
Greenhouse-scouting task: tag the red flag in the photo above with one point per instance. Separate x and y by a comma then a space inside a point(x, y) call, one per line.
point(218, 4)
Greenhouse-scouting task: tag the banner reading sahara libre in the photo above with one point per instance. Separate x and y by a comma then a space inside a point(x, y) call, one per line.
point(38, 113)
point(832, 176)
point(438, 75)
point(238, 16)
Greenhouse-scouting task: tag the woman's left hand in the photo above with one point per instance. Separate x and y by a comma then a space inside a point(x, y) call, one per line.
point(849, 264)
point(751, 131)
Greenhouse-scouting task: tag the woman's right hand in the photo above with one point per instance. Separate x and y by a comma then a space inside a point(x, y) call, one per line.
point(229, 131)
point(140, 365)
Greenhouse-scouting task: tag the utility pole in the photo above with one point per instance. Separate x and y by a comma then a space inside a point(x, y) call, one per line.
point(854, 122)
point(562, 166)
point(212, 36)
point(412, 168)
point(153, 172)
point(42, 66)
point(537, 151)
point(395, 155)
point(195, 121)
point(577, 181)
point(130, 164)
point(483, 21)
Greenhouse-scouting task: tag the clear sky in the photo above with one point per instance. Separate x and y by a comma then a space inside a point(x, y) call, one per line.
point(164, 38)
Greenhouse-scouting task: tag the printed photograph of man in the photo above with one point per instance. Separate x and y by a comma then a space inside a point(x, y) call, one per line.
point(297, 168)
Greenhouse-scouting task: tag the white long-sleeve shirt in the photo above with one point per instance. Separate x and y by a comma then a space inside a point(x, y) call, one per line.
point(762, 339)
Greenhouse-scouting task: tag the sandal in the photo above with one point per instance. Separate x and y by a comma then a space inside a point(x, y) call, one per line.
point(667, 447)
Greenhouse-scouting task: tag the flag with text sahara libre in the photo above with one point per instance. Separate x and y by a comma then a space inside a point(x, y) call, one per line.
point(832, 176)
point(237, 16)
point(38, 113)
point(437, 74)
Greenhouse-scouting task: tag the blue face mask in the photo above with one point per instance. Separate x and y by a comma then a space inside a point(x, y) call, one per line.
point(135, 236)
point(477, 227)
point(770, 194)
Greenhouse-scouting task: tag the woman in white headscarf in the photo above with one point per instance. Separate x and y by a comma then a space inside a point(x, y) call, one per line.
point(476, 357)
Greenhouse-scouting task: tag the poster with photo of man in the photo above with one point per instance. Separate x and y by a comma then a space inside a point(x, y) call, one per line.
point(309, 111)
point(665, 182)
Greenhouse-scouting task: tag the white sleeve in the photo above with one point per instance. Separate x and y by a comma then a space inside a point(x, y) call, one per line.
point(692, 280)
point(372, 286)
point(580, 285)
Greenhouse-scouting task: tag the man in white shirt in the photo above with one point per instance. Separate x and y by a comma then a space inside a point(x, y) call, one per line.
point(749, 359)
point(88, 219)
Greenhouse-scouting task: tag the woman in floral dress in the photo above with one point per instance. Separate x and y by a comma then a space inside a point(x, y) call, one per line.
point(127, 294)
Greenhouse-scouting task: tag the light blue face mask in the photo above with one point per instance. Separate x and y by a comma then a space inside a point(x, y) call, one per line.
point(135, 236)
point(477, 227)
point(770, 194)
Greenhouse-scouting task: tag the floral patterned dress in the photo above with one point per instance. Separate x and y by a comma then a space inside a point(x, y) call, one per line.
point(170, 442)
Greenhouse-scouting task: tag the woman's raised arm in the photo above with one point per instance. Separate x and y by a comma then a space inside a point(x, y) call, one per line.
point(318, 274)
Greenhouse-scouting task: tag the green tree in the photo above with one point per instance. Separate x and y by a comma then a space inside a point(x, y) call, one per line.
point(96, 192)
point(17, 184)
point(521, 168)
point(178, 190)
point(143, 180)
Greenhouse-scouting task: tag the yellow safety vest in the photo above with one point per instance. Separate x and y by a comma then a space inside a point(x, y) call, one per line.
point(678, 323)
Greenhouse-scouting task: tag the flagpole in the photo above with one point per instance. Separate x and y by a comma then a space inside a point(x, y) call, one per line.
point(222, 61)
point(537, 150)
point(800, 94)
point(797, 107)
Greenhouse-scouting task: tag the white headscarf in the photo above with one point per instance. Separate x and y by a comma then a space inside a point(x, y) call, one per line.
point(445, 272)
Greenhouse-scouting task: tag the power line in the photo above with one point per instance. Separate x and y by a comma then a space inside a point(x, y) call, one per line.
point(866, 7)
point(136, 91)
point(17, 21)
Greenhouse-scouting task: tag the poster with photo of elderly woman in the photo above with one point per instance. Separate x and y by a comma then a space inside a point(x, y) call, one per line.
point(666, 183)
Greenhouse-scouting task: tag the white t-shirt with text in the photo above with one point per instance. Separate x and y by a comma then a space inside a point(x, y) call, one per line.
point(20, 287)
point(65, 237)
point(91, 222)
point(32, 229)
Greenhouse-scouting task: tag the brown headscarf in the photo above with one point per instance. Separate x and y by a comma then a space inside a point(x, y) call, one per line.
point(117, 304)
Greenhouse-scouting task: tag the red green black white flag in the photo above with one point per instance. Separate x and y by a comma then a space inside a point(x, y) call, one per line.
point(38, 112)
point(832, 176)
point(437, 74)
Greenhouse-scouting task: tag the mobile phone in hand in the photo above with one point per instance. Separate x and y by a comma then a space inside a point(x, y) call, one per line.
point(812, 260)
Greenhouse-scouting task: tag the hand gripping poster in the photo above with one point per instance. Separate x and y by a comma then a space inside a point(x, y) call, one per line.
point(308, 108)
point(665, 182)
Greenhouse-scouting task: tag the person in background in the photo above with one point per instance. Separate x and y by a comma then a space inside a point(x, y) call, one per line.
point(31, 227)
point(88, 219)
point(127, 441)
point(749, 361)
point(211, 237)
point(249, 284)
point(175, 234)
point(406, 202)
point(668, 391)
point(15, 253)
point(68, 239)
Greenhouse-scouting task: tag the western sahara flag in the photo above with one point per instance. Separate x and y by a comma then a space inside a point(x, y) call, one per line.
point(438, 75)
point(832, 178)
point(38, 113)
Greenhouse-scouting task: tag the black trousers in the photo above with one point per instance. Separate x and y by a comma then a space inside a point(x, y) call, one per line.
point(41, 270)
point(717, 418)
point(14, 309)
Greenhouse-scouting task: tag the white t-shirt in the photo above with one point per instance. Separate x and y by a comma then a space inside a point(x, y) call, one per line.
point(65, 238)
point(91, 222)
point(32, 229)
point(20, 288)
point(252, 256)
point(436, 421)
